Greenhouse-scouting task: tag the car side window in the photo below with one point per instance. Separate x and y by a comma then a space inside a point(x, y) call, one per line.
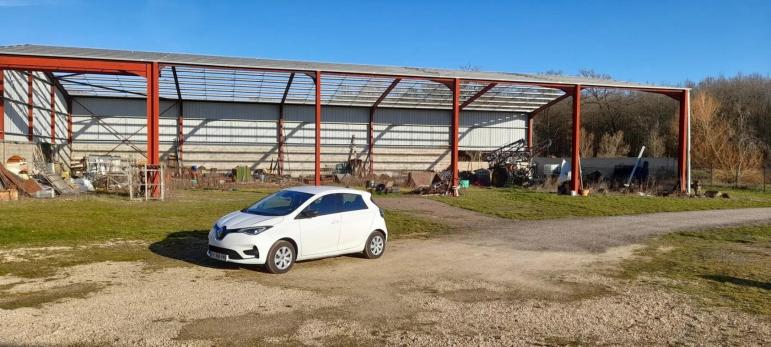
point(353, 202)
point(326, 204)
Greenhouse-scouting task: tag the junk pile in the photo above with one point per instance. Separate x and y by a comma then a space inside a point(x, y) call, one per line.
point(512, 164)
point(38, 179)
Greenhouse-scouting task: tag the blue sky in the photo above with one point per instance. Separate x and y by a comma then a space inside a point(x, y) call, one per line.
point(645, 41)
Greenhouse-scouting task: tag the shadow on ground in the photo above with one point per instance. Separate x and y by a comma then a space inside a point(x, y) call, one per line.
point(738, 281)
point(190, 246)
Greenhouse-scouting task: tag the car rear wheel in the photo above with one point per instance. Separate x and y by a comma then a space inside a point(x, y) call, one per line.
point(375, 246)
point(281, 257)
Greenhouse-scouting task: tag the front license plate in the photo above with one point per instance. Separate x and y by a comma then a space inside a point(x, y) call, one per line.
point(219, 256)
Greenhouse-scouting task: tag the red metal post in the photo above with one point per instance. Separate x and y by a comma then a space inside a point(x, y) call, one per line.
point(454, 132)
point(317, 167)
point(30, 107)
point(69, 121)
point(530, 130)
point(575, 160)
point(153, 115)
point(682, 148)
point(53, 113)
point(2, 105)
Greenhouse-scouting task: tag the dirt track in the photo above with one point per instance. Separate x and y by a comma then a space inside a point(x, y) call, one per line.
point(497, 283)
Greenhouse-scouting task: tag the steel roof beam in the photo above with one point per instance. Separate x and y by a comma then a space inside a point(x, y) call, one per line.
point(478, 95)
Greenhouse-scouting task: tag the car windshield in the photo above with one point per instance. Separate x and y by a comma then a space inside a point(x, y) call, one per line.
point(278, 204)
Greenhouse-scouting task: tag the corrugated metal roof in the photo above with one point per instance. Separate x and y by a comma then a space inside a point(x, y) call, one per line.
point(235, 62)
point(202, 77)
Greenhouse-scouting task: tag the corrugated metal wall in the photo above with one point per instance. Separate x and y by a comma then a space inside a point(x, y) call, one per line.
point(226, 134)
point(16, 103)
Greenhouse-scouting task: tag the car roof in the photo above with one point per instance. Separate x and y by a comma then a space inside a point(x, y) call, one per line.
point(325, 189)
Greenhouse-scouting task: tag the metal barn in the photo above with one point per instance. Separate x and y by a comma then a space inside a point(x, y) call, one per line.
point(224, 111)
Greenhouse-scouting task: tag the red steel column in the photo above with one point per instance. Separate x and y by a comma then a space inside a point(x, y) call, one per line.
point(69, 121)
point(2, 105)
point(530, 130)
point(454, 132)
point(371, 140)
point(153, 112)
point(575, 160)
point(682, 148)
point(30, 108)
point(317, 177)
point(53, 113)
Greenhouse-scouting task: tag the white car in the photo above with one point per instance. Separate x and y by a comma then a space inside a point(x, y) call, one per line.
point(300, 223)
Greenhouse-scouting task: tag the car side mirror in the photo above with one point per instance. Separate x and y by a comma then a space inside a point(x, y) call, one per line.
point(308, 214)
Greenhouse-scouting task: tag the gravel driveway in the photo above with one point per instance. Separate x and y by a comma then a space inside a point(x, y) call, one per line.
point(498, 282)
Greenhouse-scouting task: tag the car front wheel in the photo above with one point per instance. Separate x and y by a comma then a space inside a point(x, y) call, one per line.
point(375, 245)
point(281, 257)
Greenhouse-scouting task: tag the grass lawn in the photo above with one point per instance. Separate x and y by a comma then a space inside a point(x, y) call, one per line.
point(84, 228)
point(524, 204)
point(722, 267)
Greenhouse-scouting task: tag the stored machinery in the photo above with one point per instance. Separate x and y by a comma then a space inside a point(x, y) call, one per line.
point(512, 164)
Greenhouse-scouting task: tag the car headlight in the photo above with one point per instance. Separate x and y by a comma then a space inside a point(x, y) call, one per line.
point(253, 230)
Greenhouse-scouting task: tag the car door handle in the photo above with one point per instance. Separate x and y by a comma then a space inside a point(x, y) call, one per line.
point(335, 222)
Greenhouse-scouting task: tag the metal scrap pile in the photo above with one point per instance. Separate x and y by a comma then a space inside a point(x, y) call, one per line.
point(512, 164)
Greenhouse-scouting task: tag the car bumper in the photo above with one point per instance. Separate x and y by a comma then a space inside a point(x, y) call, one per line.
point(232, 249)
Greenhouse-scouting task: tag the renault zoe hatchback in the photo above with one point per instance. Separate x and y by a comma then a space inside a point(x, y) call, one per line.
point(297, 224)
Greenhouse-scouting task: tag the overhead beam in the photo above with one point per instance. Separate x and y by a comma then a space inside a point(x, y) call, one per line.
point(550, 104)
point(74, 65)
point(117, 90)
point(478, 95)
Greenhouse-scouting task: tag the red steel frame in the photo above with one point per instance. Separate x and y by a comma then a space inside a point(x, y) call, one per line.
point(317, 153)
point(153, 115)
point(683, 143)
point(454, 133)
point(151, 70)
point(575, 159)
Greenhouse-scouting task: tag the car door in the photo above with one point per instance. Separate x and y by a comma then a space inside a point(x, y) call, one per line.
point(356, 221)
point(320, 234)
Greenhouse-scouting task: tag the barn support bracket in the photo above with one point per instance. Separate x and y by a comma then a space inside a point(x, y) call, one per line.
point(180, 117)
point(280, 127)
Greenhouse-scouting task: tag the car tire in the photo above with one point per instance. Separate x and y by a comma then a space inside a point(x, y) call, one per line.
point(281, 257)
point(375, 246)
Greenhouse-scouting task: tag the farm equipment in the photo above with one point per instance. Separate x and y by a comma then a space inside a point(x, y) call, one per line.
point(512, 164)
